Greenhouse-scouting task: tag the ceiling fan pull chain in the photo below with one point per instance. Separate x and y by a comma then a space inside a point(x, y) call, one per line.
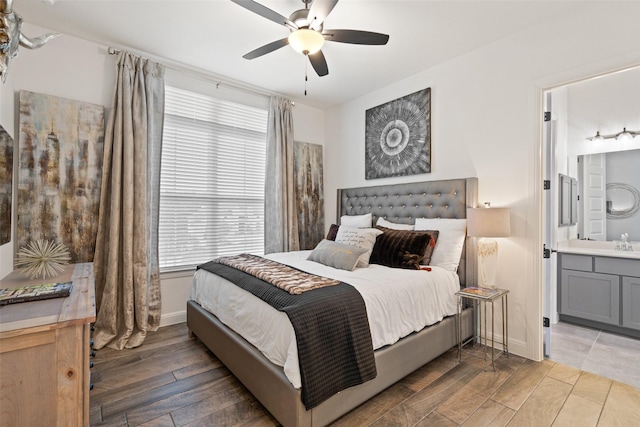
point(306, 78)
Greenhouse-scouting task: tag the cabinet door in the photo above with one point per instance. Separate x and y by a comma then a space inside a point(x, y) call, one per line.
point(631, 302)
point(590, 296)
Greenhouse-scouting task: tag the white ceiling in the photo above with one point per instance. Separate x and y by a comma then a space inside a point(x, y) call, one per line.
point(212, 35)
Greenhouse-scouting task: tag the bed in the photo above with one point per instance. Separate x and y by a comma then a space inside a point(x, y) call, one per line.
point(268, 382)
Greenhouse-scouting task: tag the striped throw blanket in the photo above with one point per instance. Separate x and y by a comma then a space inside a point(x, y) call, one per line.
point(282, 276)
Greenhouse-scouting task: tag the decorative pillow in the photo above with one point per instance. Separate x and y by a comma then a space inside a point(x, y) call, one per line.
point(432, 244)
point(336, 255)
point(452, 234)
point(400, 248)
point(333, 231)
point(356, 221)
point(364, 238)
point(392, 225)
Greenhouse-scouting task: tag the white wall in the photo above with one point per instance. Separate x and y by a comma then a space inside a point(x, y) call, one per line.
point(606, 104)
point(486, 122)
point(76, 69)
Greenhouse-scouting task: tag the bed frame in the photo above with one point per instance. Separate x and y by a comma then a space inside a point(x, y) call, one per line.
point(400, 203)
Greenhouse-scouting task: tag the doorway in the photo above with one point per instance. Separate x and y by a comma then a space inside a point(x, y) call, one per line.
point(576, 113)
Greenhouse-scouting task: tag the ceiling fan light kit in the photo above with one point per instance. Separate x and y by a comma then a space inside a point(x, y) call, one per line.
point(307, 33)
point(306, 41)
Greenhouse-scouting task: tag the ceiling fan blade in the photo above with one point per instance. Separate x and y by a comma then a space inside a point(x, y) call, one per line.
point(319, 63)
point(319, 11)
point(265, 12)
point(267, 48)
point(355, 37)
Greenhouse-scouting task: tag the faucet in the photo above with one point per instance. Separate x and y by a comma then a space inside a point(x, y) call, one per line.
point(624, 244)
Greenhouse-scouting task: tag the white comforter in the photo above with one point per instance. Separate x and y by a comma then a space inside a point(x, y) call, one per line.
point(398, 303)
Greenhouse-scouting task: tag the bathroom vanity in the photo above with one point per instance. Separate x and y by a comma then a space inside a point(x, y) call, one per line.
point(599, 286)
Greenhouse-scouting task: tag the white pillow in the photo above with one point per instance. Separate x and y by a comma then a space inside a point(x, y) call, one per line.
point(451, 238)
point(392, 225)
point(356, 221)
point(363, 238)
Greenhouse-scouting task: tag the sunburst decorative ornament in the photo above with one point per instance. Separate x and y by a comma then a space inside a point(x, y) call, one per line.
point(43, 259)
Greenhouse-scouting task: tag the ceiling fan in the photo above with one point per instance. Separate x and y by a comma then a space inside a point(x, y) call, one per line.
point(307, 32)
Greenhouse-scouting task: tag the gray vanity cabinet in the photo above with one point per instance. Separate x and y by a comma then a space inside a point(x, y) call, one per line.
point(602, 292)
point(631, 302)
point(590, 296)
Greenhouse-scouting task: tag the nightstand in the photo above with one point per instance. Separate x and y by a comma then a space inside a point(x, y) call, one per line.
point(45, 352)
point(482, 297)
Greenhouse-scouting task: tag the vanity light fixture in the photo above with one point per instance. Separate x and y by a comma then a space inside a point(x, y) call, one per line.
point(597, 138)
point(620, 136)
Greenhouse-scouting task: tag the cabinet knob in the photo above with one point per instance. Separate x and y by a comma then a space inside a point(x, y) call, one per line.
point(91, 386)
point(90, 364)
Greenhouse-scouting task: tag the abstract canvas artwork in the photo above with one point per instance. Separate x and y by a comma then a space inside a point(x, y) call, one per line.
point(6, 182)
point(307, 161)
point(398, 137)
point(59, 172)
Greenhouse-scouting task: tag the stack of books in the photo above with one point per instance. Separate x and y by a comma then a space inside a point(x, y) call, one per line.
point(35, 292)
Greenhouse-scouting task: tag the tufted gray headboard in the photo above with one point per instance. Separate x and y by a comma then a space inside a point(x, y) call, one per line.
point(403, 203)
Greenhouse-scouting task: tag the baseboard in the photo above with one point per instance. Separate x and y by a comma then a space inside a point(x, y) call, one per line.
point(173, 318)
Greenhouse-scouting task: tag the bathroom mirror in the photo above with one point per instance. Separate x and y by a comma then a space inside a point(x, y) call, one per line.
point(609, 190)
point(623, 200)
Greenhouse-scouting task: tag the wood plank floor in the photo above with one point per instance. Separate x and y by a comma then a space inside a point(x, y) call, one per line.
point(173, 380)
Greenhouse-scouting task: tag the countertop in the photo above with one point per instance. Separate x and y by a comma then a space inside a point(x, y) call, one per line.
point(599, 248)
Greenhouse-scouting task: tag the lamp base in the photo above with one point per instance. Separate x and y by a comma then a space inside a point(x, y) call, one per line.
point(487, 262)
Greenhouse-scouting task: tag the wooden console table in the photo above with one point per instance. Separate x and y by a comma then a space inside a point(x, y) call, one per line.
point(45, 351)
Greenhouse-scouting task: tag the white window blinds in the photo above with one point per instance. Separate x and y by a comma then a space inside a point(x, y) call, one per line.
point(212, 179)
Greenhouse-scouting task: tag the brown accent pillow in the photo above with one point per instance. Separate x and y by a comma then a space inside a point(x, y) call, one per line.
point(333, 232)
point(432, 244)
point(400, 248)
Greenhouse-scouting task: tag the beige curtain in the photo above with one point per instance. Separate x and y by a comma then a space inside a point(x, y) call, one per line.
point(280, 213)
point(126, 258)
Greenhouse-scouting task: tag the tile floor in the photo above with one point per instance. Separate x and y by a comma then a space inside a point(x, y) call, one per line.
point(603, 353)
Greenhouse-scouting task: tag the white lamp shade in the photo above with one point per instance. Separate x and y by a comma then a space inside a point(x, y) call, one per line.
point(488, 222)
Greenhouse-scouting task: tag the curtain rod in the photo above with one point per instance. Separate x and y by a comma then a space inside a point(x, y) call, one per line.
point(183, 68)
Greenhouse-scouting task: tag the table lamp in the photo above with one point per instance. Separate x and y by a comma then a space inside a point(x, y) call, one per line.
point(485, 223)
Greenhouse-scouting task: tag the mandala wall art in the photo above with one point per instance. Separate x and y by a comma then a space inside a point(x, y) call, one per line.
point(398, 137)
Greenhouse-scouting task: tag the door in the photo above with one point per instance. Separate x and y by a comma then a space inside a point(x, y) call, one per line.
point(548, 222)
point(595, 215)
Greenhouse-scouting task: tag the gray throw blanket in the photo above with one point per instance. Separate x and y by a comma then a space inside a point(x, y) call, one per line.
point(332, 332)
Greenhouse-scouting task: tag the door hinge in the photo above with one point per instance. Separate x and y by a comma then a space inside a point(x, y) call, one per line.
point(547, 184)
point(546, 252)
point(545, 322)
point(547, 116)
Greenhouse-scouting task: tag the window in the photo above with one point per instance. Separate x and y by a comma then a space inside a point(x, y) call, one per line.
point(211, 180)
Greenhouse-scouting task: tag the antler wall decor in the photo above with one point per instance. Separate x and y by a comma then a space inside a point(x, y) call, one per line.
point(11, 37)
